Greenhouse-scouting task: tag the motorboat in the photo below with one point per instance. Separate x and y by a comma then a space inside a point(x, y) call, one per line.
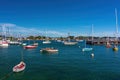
point(49, 50)
point(70, 43)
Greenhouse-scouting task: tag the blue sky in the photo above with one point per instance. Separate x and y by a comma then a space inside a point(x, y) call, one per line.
point(61, 16)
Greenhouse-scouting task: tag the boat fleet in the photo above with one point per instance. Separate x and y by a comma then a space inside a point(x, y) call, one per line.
point(21, 66)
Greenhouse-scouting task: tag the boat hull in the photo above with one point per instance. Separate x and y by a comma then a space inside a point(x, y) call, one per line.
point(46, 42)
point(70, 43)
point(35, 44)
point(29, 47)
point(19, 67)
point(49, 50)
point(87, 49)
point(4, 43)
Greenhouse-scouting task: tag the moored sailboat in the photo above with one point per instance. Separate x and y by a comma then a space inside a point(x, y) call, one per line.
point(88, 48)
point(49, 50)
point(115, 48)
point(69, 42)
point(3, 43)
point(46, 42)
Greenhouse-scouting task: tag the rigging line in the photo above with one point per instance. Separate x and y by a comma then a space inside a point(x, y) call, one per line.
point(92, 38)
point(6, 76)
point(22, 55)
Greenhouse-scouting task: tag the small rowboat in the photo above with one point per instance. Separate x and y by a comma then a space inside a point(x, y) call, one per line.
point(19, 67)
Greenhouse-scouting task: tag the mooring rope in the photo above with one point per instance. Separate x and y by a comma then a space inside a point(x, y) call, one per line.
point(6, 76)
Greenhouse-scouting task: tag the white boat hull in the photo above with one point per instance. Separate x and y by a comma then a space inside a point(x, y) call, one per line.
point(19, 67)
point(49, 50)
point(24, 44)
point(46, 42)
point(70, 43)
point(4, 43)
point(87, 49)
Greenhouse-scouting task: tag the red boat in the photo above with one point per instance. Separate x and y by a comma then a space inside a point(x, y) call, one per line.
point(30, 47)
point(19, 67)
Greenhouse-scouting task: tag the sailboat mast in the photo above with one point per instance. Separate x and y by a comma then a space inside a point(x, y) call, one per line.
point(116, 21)
point(3, 32)
point(116, 42)
point(92, 33)
point(116, 25)
point(46, 37)
point(69, 37)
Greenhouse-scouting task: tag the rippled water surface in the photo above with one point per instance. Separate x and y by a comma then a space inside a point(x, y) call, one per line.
point(70, 63)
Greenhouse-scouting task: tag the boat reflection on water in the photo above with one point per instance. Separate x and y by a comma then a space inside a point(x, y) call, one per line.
point(3, 46)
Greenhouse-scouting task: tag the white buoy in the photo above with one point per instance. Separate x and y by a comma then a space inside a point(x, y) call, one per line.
point(79, 46)
point(92, 54)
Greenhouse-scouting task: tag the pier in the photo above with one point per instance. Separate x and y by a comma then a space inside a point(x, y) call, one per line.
point(102, 42)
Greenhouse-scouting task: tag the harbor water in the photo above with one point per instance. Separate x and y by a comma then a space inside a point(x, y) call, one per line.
point(69, 63)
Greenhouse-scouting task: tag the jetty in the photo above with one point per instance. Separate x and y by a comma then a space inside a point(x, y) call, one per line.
point(102, 41)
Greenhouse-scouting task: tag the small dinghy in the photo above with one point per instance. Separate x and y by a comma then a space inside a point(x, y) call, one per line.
point(19, 67)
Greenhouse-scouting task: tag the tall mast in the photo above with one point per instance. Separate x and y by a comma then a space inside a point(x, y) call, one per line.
point(69, 37)
point(3, 32)
point(116, 21)
point(92, 32)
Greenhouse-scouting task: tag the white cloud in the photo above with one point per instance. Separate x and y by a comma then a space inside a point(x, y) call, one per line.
point(13, 30)
point(7, 25)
